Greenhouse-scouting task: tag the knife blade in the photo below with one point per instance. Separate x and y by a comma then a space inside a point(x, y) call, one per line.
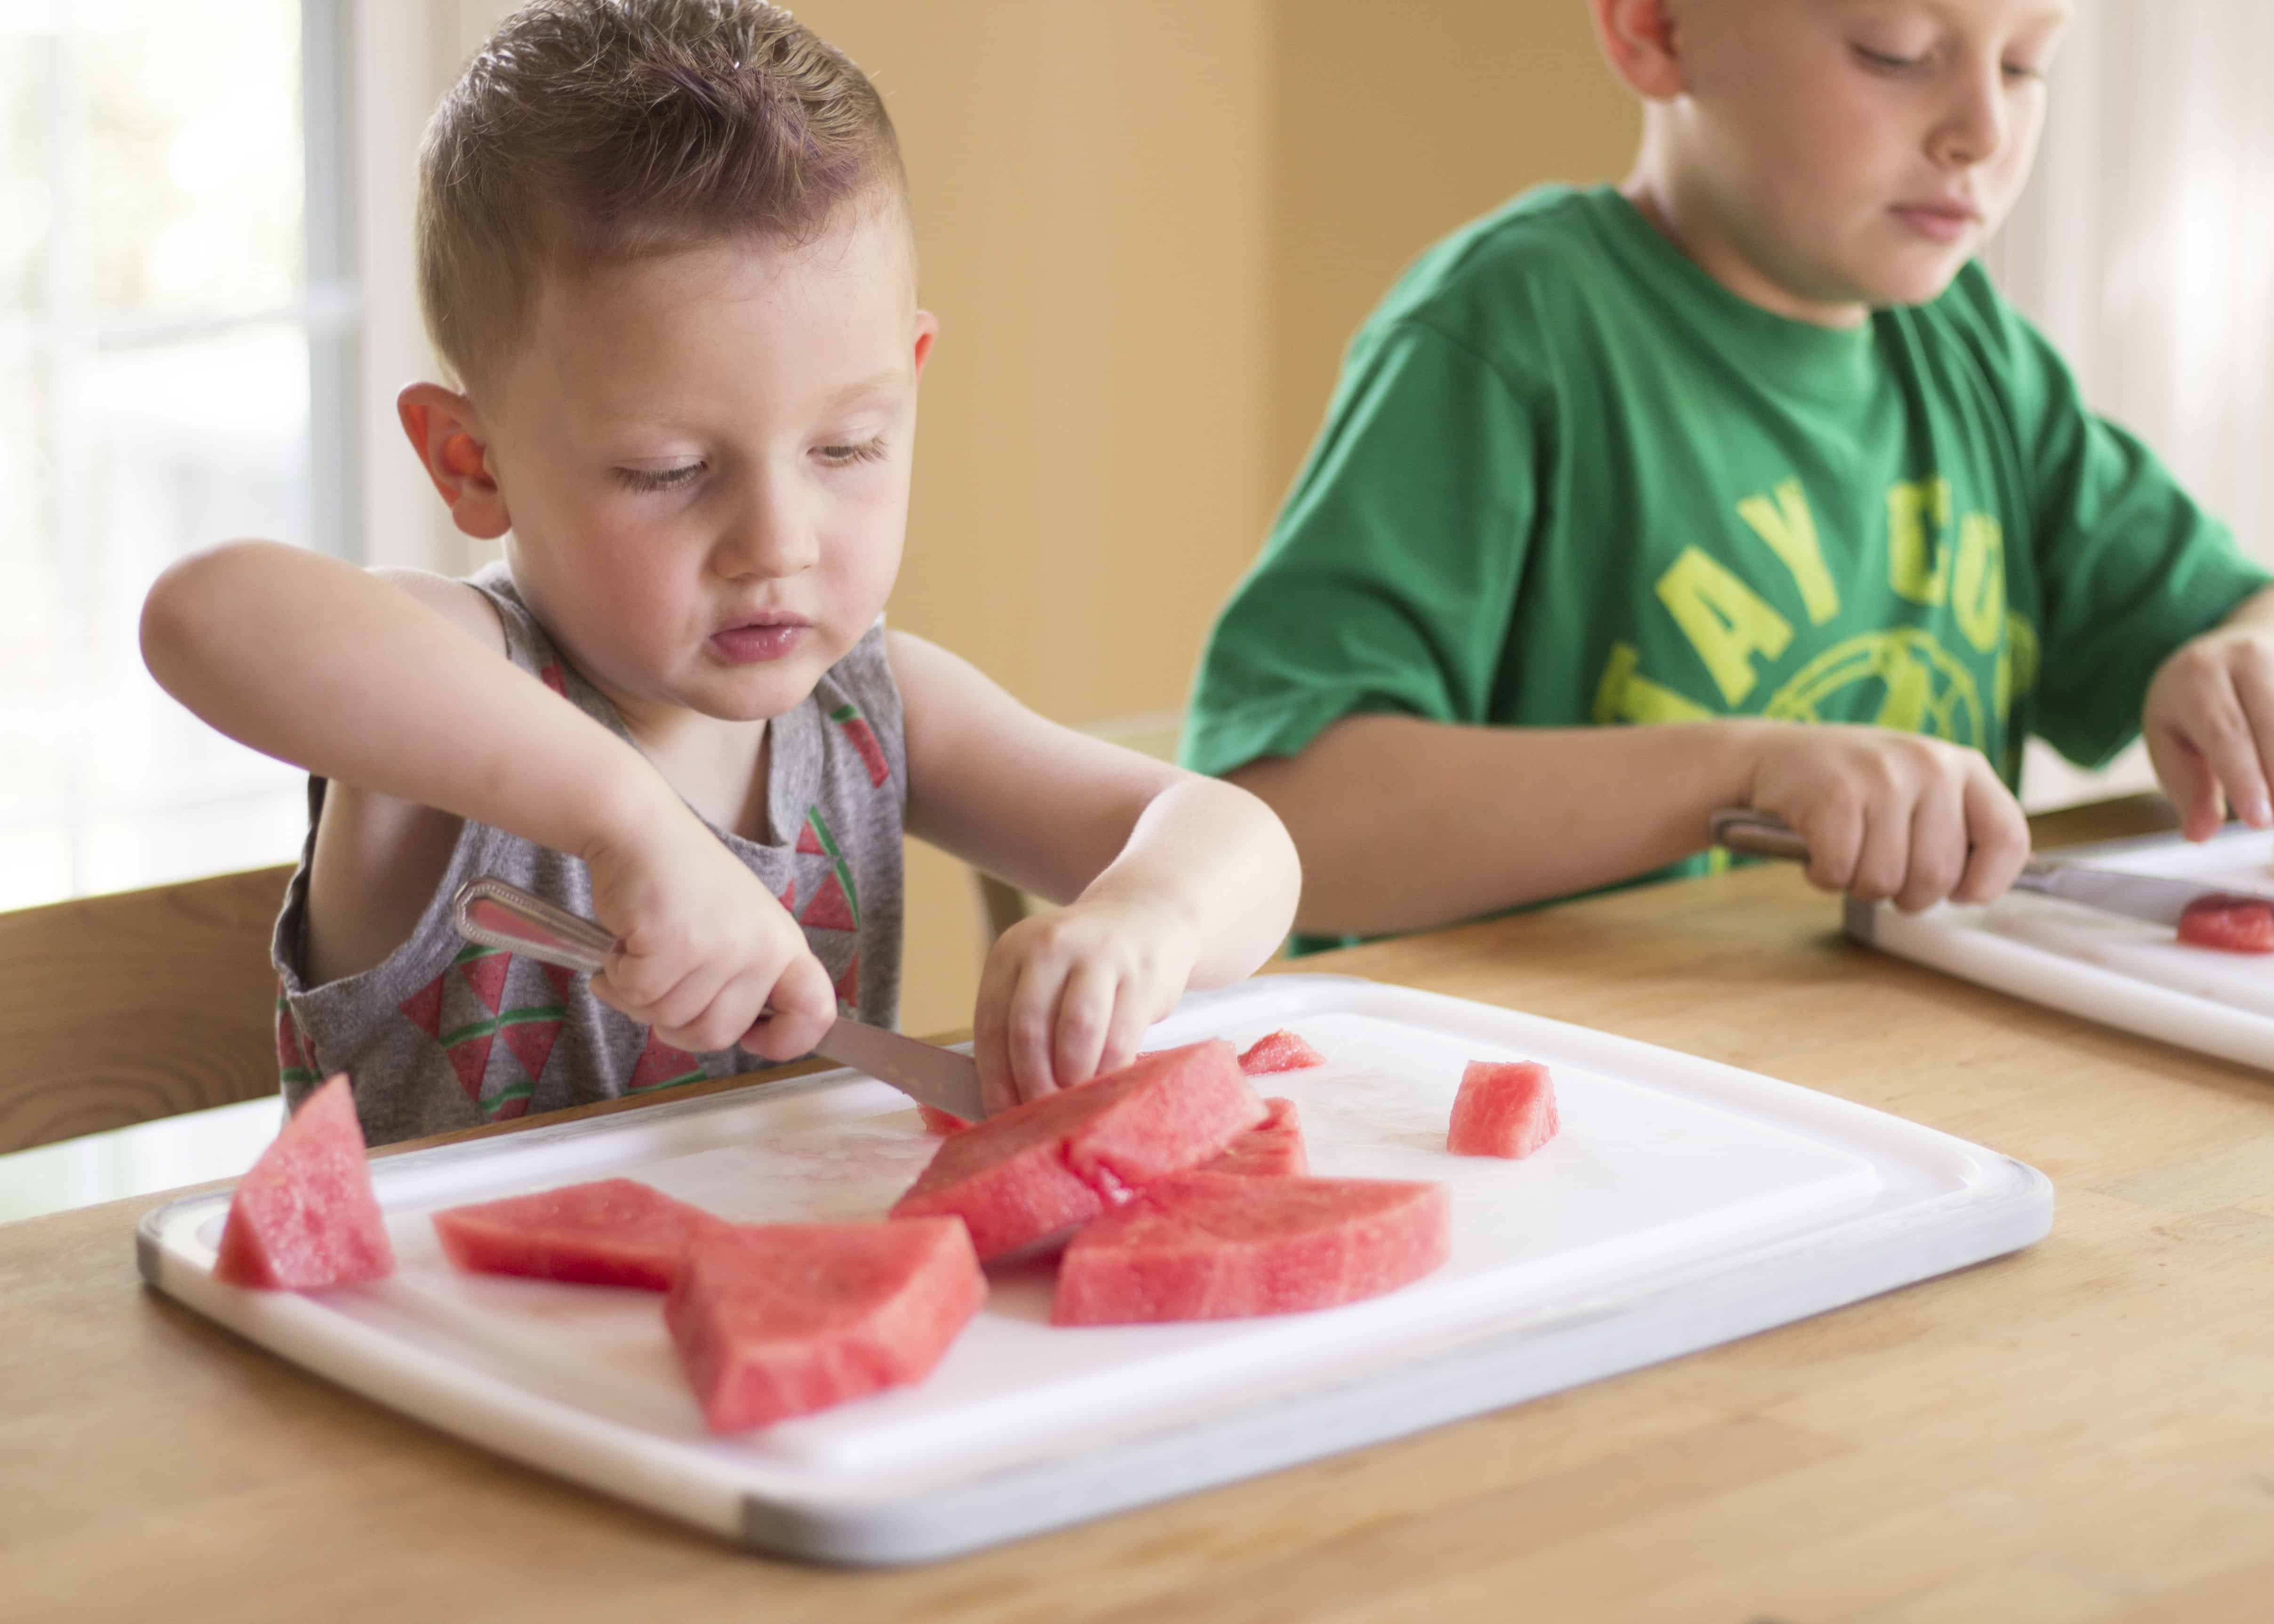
point(495, 913)
point(2154, 897)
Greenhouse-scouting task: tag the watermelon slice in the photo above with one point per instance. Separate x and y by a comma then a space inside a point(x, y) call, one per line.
point(2232, 924)
point(937, 1120)
point(305, 1217)
point(1208, 1246)
point(1279, 1051)
point(1504, 1109)
point(612, 1232)
point(1271, 1149)
point(774, 1321)
point(1028, 1172)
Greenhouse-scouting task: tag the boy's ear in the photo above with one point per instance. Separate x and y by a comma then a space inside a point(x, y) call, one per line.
point(1638, 36)
point(927, 331)
point(448, 439)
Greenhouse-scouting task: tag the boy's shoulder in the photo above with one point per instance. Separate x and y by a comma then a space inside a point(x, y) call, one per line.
point(1512, 277)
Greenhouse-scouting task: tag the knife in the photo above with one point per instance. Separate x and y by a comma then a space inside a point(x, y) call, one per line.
point(497, 913)
point(2149, 896)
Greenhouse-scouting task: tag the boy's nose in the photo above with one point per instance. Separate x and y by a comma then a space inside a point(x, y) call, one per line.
point(766, 536)
point(1973, 126)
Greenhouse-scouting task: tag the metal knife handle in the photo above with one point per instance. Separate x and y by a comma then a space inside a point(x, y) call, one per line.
point(497, 913)
point(1765, 834)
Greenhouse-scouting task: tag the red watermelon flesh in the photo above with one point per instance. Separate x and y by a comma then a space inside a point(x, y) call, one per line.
point(2232, 924)
point(1029, 1171)
point(937, 1120)
point(305, 1216)
point(1271, 1149)
point(1504, 1109)
point(612, 1233)
point(1279, 1051)
point(1206, 1247)
point(774, 1321)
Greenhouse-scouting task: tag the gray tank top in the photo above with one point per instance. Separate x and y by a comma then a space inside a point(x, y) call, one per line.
point(444, 1034)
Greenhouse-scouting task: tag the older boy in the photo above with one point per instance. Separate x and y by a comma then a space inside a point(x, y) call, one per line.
point(665, 249)
point(1750, 451)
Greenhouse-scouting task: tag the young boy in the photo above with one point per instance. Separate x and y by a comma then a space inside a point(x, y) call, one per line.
point(665, 247)
point(1749, 450)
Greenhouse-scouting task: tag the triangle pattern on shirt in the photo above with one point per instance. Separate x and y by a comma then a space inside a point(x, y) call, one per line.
point(532, 1043)
point(808, 841)
point(563, 979)
point(470, 1058)
point(424, 1008)
point(828, 910)
point(848, 985)
point(863, 738)
point(659, 1065)
point(486, 974)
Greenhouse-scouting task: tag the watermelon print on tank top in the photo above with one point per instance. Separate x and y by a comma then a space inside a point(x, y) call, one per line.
point(445, 1035)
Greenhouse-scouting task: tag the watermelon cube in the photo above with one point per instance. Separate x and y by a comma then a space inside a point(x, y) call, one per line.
point(2232, 924)
point(305, 1216)
point(1279, 1051)
point(780, 1319)
point(612, 1233)
point(1025, 1173)
point(1271, 1149)
point(1503, 1108)
point(1208, 1246)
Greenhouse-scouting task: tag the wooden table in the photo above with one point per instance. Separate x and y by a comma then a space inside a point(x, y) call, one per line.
point(2084, 1431)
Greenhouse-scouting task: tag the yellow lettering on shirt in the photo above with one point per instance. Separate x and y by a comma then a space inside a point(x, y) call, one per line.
point(1724, 618)
point(1977, 581)
point(2017, 664)
point(1789, 529)
point(1913, 569)
point(1625, 696)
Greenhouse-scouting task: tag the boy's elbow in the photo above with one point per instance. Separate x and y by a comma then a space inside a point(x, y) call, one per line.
point(181, 606)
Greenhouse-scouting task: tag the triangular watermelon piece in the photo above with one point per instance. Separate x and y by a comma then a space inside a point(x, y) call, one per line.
point(828, 910)
point(470, 1058)
point(774, 1321)
point(1273, 1148)
point(305, 1217)
point(424, 1008)
point(1279, 1051)
point(1028, 1172)
point(611, 1232)
point(937, 1120)
point(1208, 1247)
point(1503, 1108)
point(485, 972)
point(659, 1065)
point(532, 1043)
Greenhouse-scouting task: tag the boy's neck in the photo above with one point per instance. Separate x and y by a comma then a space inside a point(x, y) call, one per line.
point(1681, 215)
point(718, 766)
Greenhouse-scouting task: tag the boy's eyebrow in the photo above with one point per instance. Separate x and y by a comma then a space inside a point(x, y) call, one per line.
point(870, 385)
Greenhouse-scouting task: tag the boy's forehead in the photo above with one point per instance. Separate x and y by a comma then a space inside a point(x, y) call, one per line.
point(2008, 13)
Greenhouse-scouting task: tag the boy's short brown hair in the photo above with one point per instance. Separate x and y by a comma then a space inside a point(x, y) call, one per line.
point(587, 131)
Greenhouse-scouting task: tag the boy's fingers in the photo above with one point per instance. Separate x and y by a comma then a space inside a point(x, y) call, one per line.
point(1937, 852)
point(990, 1024)
point(1834, 838)
point(1883, 857)
point(1999, 836)
point(2185, 777)
point(804, 1004)
point(1027, 1033)
point(1078, 1037)
point(2256, 701)
point(2222, 734)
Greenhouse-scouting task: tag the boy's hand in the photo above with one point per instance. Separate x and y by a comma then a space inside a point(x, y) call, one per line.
point(702, 947)
point(1067, 995)
point(2209, 725)
point(1893, 814)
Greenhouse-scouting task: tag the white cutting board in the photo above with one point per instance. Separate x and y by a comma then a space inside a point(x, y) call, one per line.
point(2118, 972)
point(1682, 1203)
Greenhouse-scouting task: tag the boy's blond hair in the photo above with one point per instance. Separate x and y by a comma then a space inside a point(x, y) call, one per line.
point(591, 131)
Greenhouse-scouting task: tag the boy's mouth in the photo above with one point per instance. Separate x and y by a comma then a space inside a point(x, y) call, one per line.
point(767, 637)
point(1940, 221)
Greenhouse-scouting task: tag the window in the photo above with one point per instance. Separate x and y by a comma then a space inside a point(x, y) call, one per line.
point(178, 328)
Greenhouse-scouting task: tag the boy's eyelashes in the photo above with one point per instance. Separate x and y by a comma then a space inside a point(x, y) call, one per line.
point(645, 479)
point(1889, 61)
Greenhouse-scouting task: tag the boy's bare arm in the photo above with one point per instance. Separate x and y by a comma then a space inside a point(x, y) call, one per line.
point(1405, 823)
point(1173, 880)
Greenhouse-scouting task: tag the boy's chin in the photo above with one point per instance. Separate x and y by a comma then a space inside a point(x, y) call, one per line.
point(1911, 279)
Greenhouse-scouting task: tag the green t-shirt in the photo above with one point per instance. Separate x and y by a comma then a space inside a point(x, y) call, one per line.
point(1568, 477)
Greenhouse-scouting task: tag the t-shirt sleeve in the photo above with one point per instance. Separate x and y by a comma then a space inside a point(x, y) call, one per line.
point(1389, 582)
point(2131, 567)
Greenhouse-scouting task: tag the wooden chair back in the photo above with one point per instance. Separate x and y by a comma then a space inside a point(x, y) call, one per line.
point(117, 1010)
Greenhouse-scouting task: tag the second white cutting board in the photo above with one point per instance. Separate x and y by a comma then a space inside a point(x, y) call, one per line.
point(1683, 1202)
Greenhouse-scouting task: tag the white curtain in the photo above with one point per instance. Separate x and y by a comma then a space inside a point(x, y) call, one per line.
point(2144, 247)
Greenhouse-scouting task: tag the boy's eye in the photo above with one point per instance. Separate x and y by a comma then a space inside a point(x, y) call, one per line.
point(840, 456)
point(657, 478)
point(1887, 62)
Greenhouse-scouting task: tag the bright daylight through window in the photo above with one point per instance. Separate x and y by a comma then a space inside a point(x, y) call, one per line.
point(175, 368)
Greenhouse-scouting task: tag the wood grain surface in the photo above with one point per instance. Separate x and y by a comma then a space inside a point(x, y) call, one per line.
point(2081, 1432)
point(118, 1009)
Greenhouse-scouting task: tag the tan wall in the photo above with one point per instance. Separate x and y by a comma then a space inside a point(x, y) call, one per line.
point(1147, 230)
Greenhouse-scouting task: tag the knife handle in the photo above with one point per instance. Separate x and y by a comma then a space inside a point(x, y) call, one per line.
point(497, 913)
point(1758, 834)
